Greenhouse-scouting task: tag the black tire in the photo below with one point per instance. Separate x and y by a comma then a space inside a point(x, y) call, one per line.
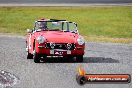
point(79, 58)
point(81, 80)
point(29, 55)
point(44, 58)
point(36, 57)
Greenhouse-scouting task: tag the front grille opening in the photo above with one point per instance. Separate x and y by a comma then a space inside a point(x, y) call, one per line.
point(63, 46)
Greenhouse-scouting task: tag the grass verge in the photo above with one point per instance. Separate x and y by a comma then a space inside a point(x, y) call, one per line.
point(109, 24)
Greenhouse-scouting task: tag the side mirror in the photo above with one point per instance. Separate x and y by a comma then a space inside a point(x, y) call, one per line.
point(75, 25)
point(29, 31)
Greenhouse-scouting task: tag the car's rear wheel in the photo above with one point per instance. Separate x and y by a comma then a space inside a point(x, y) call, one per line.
point(29, 55)
point(79, 58)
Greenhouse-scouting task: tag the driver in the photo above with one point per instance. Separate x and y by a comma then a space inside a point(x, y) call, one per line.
point(42, 25)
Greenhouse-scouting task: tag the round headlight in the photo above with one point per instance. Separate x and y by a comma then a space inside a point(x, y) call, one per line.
point(40, 39)
point(81, 40)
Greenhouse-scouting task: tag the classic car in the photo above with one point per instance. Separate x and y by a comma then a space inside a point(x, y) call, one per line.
point(54, 38)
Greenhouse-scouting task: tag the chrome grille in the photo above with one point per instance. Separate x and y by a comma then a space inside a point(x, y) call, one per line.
point(65, 46)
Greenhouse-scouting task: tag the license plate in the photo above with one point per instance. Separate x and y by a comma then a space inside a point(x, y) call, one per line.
point(51, 51)
point(60, 52)
point(68, 52)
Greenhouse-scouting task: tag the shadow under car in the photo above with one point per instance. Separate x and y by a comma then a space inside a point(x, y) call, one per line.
point(85, 60)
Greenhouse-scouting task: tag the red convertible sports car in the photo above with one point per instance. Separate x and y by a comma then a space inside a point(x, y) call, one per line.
point(54, 38)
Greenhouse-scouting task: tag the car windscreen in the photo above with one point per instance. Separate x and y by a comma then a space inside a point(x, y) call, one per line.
point(54, 25)
point(65, 26)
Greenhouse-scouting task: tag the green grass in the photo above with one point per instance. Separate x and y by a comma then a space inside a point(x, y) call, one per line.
point(112, 22)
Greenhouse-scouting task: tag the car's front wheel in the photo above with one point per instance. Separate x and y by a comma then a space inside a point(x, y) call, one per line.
point(36, 57)
point(29, 55)
point(79, 58)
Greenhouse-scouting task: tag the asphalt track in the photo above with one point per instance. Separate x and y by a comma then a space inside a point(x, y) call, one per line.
point(65, 2)
point(108, 58)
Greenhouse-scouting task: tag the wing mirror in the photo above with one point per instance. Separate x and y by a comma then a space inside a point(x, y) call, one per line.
point(29, 31)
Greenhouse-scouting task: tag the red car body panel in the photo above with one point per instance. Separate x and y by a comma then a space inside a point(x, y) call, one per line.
point(56, 37)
